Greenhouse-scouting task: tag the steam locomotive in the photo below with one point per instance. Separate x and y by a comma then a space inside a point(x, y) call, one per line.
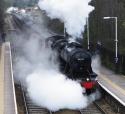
point(74, 61)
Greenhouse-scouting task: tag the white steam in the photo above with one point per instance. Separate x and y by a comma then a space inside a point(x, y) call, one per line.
point(98, 68)
point(46, 86)
point(53, 91)
point(72, 12)
point(96, 64)
point(37, 68)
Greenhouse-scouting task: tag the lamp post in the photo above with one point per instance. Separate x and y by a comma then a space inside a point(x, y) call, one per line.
point(88, 39)
point(116, 36)
point(64, 31)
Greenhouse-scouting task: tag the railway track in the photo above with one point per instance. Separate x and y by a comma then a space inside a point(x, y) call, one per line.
point(102, 106)
point(33, 109)
point(30, 107)
point(94, 108)
point(98, 107)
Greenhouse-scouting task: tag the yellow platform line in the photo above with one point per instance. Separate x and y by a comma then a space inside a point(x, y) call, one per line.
point(121, 90)
point(2, 80)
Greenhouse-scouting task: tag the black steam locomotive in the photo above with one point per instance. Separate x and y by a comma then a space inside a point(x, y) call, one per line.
point(74, 61)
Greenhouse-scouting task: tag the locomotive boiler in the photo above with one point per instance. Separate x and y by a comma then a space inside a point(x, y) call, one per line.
point(74, 61)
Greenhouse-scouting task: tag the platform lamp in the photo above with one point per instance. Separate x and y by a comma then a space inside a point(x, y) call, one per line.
point(88, 39)
point(116, 36)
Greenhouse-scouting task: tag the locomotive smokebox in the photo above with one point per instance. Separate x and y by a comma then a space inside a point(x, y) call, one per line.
point(78, 59)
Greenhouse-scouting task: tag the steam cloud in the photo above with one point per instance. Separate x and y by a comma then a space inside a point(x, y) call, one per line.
point(37, 69)
point(36, 66)
point(53, 91)
point(72, 12)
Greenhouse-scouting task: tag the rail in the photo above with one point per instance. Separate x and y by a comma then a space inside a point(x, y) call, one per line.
point(30, 107)
point(98, 107)
point(24, 98)
point(93, 109)
point(103, 112)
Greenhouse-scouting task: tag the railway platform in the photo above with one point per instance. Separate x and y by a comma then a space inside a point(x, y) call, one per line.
point(114, 84)
point(1, 81)
point(7, 90)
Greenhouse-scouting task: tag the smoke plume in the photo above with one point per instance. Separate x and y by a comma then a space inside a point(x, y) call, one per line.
point(72, 12)
point(53, 91)
point(36, 67)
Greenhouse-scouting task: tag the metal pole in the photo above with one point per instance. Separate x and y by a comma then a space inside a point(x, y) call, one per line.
point(116, 40)
point(64, 31)
point(116, 36)
point(88, 39)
